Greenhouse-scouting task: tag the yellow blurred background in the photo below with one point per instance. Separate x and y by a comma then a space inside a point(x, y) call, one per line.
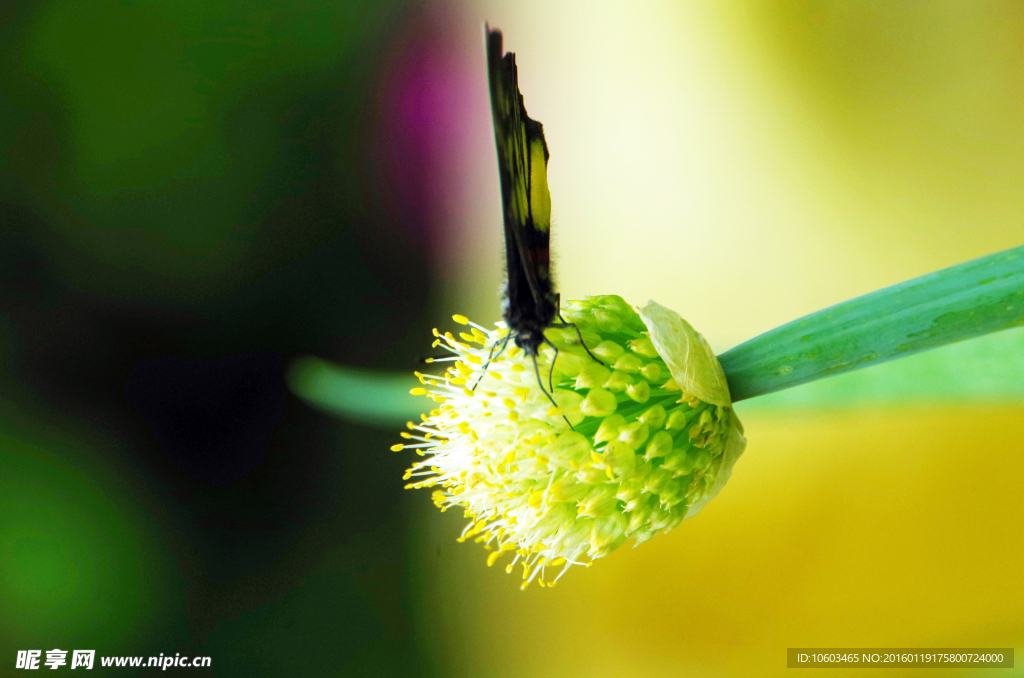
point(746, 163)
point(866, 529)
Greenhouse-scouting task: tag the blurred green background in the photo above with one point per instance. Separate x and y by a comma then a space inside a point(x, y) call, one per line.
point(195, 196)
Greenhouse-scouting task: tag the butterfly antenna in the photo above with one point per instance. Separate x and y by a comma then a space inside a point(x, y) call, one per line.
point(491, 357)
point(540, 385)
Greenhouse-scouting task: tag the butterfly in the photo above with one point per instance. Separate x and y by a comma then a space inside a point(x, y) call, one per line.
point(531, 303)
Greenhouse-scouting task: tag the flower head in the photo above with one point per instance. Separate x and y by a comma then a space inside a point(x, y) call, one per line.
point(636, 440)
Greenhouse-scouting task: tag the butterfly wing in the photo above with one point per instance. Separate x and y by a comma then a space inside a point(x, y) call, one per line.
point(522, 161)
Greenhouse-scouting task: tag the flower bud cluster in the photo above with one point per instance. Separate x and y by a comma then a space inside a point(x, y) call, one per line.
point(626, 450)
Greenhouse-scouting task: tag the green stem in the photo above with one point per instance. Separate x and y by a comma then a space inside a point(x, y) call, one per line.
point(968, 300)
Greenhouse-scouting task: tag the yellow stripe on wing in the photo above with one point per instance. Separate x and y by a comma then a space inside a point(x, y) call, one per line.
point(540, 198)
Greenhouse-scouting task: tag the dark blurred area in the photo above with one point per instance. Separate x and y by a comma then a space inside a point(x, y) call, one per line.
point(192, 195)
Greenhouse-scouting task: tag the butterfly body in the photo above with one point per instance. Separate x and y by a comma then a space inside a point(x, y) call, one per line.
point(531, 303)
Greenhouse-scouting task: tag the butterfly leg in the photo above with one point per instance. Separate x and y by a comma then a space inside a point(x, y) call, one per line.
point(579, 334)
point(540, 384)
point(551, 372)
point(490, 357)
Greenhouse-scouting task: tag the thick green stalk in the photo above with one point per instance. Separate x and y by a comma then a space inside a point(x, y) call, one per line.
point(968, 300)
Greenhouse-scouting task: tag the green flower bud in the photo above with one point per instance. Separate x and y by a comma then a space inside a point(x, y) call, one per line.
point(618, 382)
point(676, 421)
point(657, 480)
point(675, 461)
point(593, 375)
point(608, 351)
point(608, 534)
point(598, 403)
point(639, 392)
point(620, 459)
point(673, 492)
point(634, 434)
point(660, 445)
point(570, 446)
point(609, 428)
point(654, 417)
point(643, 346)
point(592, 475)
point(651, 371)
point(628, 363)
point(570, 364)
point(600, 502)
point(556, 485)
point(630, 491)
point(635, 502)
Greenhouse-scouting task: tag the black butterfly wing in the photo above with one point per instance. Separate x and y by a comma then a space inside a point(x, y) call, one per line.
point(531, 303)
